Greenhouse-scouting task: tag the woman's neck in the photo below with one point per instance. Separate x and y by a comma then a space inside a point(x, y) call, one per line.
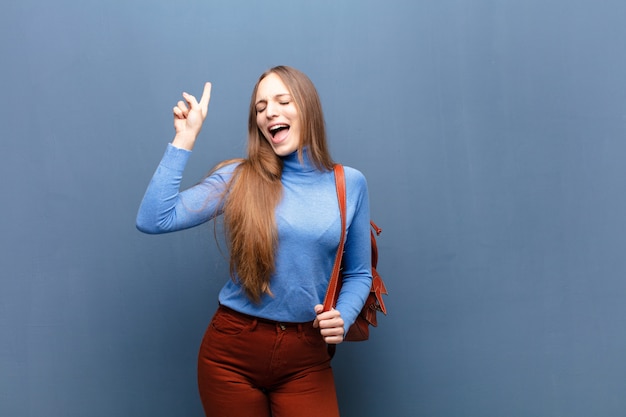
point(292, 162)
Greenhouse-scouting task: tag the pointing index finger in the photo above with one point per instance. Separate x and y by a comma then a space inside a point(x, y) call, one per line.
point(206, 96)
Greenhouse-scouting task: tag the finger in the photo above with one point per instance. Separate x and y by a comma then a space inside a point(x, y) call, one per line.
point(329, 319)
point(193, 103)
point(329, 315)
point(318, 309)
point(182, 107)
point(333, 338)
point(332, 332)
point(327, 325)
point(206, 97)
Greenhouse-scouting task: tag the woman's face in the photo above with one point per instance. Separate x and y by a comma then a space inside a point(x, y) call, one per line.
point(277, 116)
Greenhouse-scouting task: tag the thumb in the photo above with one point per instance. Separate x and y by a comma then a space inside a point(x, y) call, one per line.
point(318, 309)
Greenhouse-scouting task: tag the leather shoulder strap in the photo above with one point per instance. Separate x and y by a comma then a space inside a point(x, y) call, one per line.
point(332, 293)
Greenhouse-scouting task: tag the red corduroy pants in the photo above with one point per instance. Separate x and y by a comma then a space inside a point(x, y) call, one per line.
point(249, 367)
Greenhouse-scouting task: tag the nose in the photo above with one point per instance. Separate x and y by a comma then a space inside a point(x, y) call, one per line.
point(271, 110)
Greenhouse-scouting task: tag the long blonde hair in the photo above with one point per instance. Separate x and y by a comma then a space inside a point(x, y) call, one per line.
point(255, 189)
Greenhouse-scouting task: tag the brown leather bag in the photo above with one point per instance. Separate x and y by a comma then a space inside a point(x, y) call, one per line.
point(359, 331)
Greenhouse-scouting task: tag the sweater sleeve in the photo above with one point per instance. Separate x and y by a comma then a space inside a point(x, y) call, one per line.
point(357, 257)
point(165, 208)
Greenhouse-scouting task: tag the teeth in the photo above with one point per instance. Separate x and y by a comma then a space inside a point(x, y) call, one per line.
point(276, 127)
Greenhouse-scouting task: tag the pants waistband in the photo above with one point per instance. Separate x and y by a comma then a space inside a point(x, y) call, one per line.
point(260, 320)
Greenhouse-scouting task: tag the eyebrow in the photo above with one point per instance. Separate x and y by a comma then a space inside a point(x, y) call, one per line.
point(276, 96)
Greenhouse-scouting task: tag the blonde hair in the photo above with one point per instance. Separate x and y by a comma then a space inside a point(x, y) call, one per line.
point(255, 189)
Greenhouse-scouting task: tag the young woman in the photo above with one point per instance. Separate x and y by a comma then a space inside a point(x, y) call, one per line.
point(265, 351)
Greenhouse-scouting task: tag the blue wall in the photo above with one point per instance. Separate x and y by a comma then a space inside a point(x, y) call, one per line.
point(493, 137)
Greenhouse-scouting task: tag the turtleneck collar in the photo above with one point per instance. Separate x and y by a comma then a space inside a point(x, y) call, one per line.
point(291, 163)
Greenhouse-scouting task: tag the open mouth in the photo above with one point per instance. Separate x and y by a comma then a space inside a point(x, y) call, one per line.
point(279, 132)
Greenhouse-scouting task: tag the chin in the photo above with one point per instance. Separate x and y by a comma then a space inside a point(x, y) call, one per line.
point(282, 153)
point(284, 150)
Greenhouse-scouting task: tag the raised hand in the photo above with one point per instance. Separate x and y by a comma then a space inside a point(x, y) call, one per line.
point(189, 116)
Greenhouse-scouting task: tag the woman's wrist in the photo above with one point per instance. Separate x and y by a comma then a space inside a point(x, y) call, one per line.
point(184, 141)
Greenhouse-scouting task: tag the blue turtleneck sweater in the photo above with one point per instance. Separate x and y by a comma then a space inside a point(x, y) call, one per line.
point(308, 224)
